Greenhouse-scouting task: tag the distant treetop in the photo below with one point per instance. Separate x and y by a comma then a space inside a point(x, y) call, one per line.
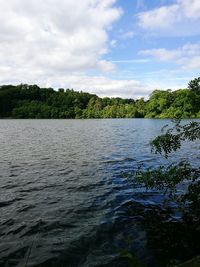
point(194, 85)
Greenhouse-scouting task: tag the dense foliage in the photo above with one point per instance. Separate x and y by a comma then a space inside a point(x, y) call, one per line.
point(31, 101)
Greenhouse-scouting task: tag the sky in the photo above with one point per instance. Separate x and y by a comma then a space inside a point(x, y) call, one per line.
point(125, 48)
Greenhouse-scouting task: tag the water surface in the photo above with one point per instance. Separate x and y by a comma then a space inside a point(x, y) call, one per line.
point(63, 192)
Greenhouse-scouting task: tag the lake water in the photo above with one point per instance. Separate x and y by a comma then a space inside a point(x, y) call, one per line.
point(64, 192)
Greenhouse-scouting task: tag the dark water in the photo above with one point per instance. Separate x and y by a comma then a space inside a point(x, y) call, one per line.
point(63, 193)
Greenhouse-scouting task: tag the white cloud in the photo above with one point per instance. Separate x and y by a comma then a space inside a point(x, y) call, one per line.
point(190, 8)
point(131, 61)
point(162, 17)
point(180, 18)
point(41, 38)
point(56, 43)
point(161, 53)
point(113, 43)
point(193, 63)
point(100, 85)
point(128, 35)
point(103, 86)
point(187, 56)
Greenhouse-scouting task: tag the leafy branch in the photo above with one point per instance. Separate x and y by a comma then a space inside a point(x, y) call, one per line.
point(171, 140)
point(166, 178)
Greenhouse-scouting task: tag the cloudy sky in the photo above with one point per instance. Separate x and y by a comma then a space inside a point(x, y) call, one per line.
point(121, 48)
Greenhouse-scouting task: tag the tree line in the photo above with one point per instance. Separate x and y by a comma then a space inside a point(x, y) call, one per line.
point(31, 101)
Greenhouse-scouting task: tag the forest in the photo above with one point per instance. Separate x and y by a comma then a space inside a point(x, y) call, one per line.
point(31, 101)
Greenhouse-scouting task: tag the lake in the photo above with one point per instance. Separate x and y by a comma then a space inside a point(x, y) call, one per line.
point(64, 192)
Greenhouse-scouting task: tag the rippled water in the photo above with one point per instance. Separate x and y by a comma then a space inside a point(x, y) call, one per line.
point(63, 193)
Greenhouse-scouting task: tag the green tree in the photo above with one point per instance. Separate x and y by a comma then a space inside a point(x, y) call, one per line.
point(158, 103)
point(140, 106)
point(194, 85)
point(31, 101)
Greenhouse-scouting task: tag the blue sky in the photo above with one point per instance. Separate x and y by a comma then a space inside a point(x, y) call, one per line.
point(132, 39)
point(123, 48)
